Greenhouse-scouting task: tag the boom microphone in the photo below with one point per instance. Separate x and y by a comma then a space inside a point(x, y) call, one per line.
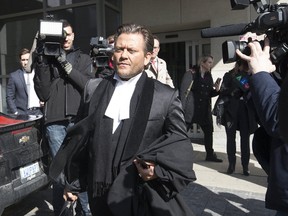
point(222, 31)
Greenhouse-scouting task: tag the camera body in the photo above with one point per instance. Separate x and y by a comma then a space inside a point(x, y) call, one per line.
point(272, 21)
point(50, 37)
point(100, 52)
point(229, 50)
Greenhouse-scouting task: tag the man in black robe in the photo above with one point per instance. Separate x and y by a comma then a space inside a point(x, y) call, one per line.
point(131, 151)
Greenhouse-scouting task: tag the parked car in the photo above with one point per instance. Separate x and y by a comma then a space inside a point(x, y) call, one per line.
point(24, 158)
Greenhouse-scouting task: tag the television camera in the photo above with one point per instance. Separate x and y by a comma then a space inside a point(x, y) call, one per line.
point(272, 21)
point(51, 36)
point(100, 52)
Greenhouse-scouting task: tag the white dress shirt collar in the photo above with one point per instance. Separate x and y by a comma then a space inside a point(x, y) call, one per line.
point(119, 106)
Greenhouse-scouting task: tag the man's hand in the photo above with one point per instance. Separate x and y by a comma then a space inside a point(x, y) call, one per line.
point(145, 169)
point(69, 196)
point(259, 60)
point(63, 62)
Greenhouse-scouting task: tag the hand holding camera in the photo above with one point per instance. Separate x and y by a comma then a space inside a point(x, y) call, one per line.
point(63, 62)
point(259, 60)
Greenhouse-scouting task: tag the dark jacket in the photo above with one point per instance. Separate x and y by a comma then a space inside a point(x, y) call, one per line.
point(231, 94)
point(16, 93)
point(161, 138)
point(60, 92)
point(203, 90)
point(265, 93)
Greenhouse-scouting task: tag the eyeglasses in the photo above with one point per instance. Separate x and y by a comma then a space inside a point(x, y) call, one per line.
point(24, 60)
point(155, 47)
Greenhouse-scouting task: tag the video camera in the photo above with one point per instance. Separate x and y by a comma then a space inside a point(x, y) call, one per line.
point(100, 52)
point(50, 37)
point(272, 21)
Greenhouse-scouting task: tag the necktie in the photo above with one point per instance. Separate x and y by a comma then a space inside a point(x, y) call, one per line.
point(154, 65)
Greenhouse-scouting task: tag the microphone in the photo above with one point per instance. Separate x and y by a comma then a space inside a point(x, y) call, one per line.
point(222, 31)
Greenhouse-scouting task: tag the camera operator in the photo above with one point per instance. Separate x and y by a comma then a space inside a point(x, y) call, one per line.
point(101, 53)
point(59, 82)
point(265, 93)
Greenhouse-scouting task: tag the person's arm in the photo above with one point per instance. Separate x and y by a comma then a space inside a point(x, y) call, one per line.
point(215, 91)
point(169, 80)
point(174, 122)
point(81, 72)
point(214, 87)
point(265, 94)
point(43, 80)
point(10, 95)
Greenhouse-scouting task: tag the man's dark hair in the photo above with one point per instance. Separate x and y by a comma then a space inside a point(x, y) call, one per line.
point(156, 38)
point(135, 28)
point(23, 52)
point(66, 23)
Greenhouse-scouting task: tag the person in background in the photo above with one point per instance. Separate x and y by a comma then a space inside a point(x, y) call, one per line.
point(59, 82)
point(238, 114)
point(20, 94)
point(204, 89)
point(133, 145)
point(107, 69)
point(157, 69)
point(110, 40)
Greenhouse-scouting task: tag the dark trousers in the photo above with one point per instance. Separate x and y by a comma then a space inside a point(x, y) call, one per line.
point(208, 137)
point(242, 124)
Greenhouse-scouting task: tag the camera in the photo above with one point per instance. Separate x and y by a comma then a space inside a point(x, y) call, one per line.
point(50, 37)
point(272, 21)
point(229, 50)
point(100, 52)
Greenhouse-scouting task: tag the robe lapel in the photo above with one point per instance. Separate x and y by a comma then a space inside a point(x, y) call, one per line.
point(134, 128)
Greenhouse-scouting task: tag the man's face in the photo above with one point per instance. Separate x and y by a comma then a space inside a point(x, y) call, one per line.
point(68, 43)
point(129, 57)
point(156, 49)
point(24, 60)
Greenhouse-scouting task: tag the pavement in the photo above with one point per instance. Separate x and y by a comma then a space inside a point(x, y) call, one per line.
point(214, 193)
point(217, 193)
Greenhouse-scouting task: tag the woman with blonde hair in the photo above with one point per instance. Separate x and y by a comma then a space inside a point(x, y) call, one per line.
point(204, 89)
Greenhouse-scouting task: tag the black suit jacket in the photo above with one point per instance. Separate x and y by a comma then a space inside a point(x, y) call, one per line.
point(16, 93)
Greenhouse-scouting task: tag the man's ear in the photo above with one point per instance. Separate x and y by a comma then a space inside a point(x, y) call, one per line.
point(147, 58)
